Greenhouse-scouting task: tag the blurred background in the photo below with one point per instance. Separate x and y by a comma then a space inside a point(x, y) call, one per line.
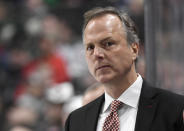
point(43, 73)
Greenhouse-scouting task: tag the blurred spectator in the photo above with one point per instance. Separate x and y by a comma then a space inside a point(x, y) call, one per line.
point(70, 47)
point(21, 116)
point(72, 104)
point(33, 96)
point(35, 7)
point(92, 93)
point(2, 11)
point(20, 128)
point(53, 115)
point(51, 60)
point(53, 28)
point(52, 120)
point(59, 93)
point(136, 11)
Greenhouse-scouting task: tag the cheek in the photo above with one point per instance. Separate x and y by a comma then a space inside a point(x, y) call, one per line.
point(89, 63)
point(122, 59)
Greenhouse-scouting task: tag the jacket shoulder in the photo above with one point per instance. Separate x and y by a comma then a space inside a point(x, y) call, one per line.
point(77, 118)
point(84, 108)
point(165, 95)
point(170, 97)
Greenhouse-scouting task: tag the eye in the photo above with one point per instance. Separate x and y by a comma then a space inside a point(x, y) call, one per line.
point(107, 44)
point(90, 47)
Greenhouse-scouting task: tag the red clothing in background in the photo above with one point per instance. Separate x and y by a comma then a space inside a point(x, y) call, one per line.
point(57, 66)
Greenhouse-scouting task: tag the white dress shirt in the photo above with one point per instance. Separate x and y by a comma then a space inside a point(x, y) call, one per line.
point(128, 113)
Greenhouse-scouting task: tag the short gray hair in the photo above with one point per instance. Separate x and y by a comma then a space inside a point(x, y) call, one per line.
point(130, 27)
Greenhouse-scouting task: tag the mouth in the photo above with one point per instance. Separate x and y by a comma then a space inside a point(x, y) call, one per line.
point(102, 67)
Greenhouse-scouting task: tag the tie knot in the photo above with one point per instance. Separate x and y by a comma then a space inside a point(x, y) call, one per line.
point(115, 105)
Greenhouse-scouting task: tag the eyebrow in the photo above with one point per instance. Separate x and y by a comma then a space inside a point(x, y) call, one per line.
point(101, 41)
point(105, 39)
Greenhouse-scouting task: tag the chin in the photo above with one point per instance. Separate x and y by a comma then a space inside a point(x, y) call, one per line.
point(104, 79)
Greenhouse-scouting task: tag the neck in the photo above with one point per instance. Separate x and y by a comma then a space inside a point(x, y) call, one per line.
point(116, 87)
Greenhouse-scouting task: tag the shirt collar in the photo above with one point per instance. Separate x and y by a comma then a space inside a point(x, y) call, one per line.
point(129, 97)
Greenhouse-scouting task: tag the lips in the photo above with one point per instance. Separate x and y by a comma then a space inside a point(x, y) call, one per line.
point(102, 67)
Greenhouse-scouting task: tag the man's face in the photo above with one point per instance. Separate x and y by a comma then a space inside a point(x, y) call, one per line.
point(108, 55)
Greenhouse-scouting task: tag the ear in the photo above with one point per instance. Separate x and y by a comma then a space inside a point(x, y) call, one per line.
point(135, 50)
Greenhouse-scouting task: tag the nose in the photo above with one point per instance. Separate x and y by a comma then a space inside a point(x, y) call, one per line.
point(99, 52)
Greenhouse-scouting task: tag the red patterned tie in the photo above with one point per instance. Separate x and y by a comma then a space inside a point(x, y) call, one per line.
point(112, 121)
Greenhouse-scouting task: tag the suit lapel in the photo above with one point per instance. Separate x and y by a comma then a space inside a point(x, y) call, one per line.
point(92, 114)
point(146, 109)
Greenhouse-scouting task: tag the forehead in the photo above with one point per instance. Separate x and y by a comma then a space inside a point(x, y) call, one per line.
point(101, 25)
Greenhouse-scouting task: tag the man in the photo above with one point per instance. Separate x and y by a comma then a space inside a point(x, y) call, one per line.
point(112, 46)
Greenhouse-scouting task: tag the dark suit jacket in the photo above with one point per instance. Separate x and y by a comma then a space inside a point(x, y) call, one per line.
point(158, 110)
